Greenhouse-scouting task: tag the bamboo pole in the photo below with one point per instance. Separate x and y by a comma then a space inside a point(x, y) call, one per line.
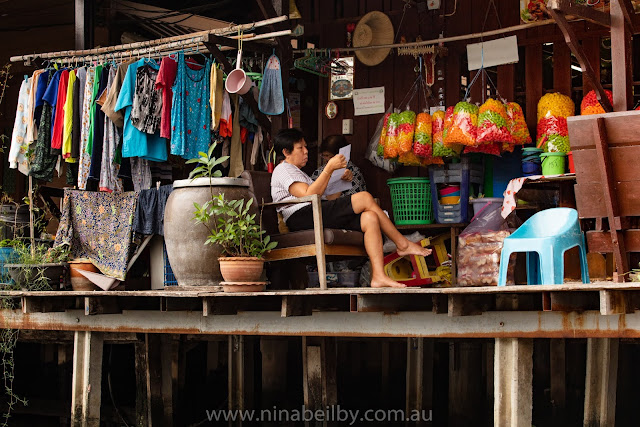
point(31, 222)
point(193, 37)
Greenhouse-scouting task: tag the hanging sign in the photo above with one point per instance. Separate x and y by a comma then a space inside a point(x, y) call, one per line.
point(495, 52)
point(368, 101)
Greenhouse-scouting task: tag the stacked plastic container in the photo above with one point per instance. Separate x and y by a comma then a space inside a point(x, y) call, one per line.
point(464, 173)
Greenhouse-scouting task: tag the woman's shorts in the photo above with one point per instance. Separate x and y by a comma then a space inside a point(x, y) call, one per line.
point(336, 213)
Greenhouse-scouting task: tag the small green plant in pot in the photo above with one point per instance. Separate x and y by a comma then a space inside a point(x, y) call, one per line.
point(232, 225)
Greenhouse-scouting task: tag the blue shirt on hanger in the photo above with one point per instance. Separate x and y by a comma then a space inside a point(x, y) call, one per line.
point(136, 143)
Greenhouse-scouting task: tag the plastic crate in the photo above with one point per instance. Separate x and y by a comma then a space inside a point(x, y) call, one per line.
point(411, 200)
point(169, 277)
point(464, 173)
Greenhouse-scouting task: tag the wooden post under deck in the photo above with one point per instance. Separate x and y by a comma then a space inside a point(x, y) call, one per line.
point(513, 382)
point(86, 390)
point(601, 382)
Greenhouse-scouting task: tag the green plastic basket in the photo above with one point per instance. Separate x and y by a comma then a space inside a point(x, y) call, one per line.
point(411, 200)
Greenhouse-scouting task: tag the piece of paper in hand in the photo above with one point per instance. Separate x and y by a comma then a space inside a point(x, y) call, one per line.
point(336, 184)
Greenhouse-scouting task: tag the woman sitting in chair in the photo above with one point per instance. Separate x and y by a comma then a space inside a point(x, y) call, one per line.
point(358, 212)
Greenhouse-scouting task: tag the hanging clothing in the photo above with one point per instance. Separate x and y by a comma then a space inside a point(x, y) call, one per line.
point(109, 168)
point(19, 148)
point(217, 95)
point(43, 83)
point(236, 166)
point(149, 217)
point(164, 82)
point(85, 129)
point(108, 108)
point(98, 226)
point(78, 99)
point(51, 96)
point(98, 129)
point(134, 142)
point(147, 101)
point(92, 107)
point(190, 112)
point(140, 174)
point(43, 162)
point(248, 120)
point(68, 119)
point(226, 120)
point(58, 120)
point(32, 130)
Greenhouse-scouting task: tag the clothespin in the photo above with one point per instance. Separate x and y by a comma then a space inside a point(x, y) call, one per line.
point(26, 78)
point(157, 185)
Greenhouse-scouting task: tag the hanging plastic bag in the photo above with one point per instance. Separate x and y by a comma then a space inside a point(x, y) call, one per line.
point(406, 128)
point(271, 98)
point(493, 123)
point(391, 143)
point(464, 126)
point(517, 124)
point(438, 125)
point(422, 135)
point(371, 153)
point(553, 133)
point(591, 105)
point(383, 135)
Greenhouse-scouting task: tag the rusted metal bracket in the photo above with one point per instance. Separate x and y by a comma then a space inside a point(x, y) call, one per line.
point(570, 7)
point(559, 15)
point(247, 97)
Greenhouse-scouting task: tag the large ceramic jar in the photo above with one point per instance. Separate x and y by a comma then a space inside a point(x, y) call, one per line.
point(194, 263)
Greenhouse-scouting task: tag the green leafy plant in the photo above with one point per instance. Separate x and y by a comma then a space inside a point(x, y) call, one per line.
point(232, 226)
point(230, 222)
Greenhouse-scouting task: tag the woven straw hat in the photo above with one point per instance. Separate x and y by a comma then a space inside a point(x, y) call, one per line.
point(375, 28)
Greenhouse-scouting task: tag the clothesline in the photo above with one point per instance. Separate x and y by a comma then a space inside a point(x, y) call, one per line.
point(199, 37)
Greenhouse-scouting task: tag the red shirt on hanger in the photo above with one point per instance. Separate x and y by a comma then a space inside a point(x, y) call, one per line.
point(58, 124)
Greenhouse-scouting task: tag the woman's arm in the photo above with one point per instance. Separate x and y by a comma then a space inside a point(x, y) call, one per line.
point(301, 189)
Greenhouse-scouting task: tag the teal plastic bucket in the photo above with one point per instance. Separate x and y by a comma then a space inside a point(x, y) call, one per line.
point(553, 163)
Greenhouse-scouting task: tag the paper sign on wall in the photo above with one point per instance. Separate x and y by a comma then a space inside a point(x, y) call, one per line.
point(368, 101)
point(495, 52)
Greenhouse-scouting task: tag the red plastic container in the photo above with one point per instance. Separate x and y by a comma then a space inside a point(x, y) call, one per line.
point(572, 168)
point(449, 190)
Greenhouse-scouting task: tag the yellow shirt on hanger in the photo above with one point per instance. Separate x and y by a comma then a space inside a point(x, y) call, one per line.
point(68, 121)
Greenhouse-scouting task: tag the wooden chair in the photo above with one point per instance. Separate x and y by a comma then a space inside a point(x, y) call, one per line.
point(319, 242)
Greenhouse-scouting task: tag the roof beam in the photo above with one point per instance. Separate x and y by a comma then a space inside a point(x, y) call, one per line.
point(195, 22)
point(628, 11)
point(569, 7)
point(572, 41)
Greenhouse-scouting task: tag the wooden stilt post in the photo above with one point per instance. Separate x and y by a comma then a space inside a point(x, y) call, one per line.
point(169, 361)
point(601, 382)
point(240, 374)
point(65, 364)
point(274, 372)
point(419, 380)
point(558, 380)
point(87, 379)
point(466, 387)
point(149, 402)
point(319, 357)
point(513, 381)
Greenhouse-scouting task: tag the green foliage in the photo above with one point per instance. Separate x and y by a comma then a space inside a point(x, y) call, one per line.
point(232, 226)
point(207, 164)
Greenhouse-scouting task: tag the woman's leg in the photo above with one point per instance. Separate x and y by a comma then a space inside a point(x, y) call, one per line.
point(363, 202)
point(373, 245)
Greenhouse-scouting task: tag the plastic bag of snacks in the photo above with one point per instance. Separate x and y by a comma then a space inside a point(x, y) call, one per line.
point(464, 126)
point(493, 123)
point(410, 159)
point(406, 129)
point(479, 258)
point(494, 148)
point(391, 142)
point(438, 128)
point(422, 136)
point(553, 133)
point(383, 135)
point(517, 124)
point(591, 105)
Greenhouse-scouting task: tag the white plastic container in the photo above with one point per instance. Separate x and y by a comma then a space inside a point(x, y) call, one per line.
point(479, 204)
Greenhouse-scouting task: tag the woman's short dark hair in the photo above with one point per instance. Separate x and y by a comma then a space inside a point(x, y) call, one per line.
point(333, 144)
point(285, 138)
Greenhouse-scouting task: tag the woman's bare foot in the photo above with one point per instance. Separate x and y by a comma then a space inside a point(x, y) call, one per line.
point(385, 281)
point(412, 248)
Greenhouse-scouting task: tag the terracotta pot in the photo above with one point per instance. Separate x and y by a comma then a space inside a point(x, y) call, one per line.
point(78, 281)
point(241, 269)
point(194, 263)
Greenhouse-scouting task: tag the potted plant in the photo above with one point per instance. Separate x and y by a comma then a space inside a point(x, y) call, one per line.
point(232, 225)
point(39, 266)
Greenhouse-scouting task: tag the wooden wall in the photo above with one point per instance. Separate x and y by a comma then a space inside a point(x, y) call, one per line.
point(325, 24)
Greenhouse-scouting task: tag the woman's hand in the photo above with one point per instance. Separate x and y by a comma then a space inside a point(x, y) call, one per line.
point(347, 175)
point(336, 162)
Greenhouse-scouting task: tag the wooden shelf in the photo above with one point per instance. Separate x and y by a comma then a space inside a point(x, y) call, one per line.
point(432, 226)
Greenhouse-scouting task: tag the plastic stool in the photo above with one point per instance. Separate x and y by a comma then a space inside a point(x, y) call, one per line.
point(545, 237)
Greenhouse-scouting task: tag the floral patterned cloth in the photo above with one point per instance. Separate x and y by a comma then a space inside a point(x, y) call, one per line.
point(98, 226)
